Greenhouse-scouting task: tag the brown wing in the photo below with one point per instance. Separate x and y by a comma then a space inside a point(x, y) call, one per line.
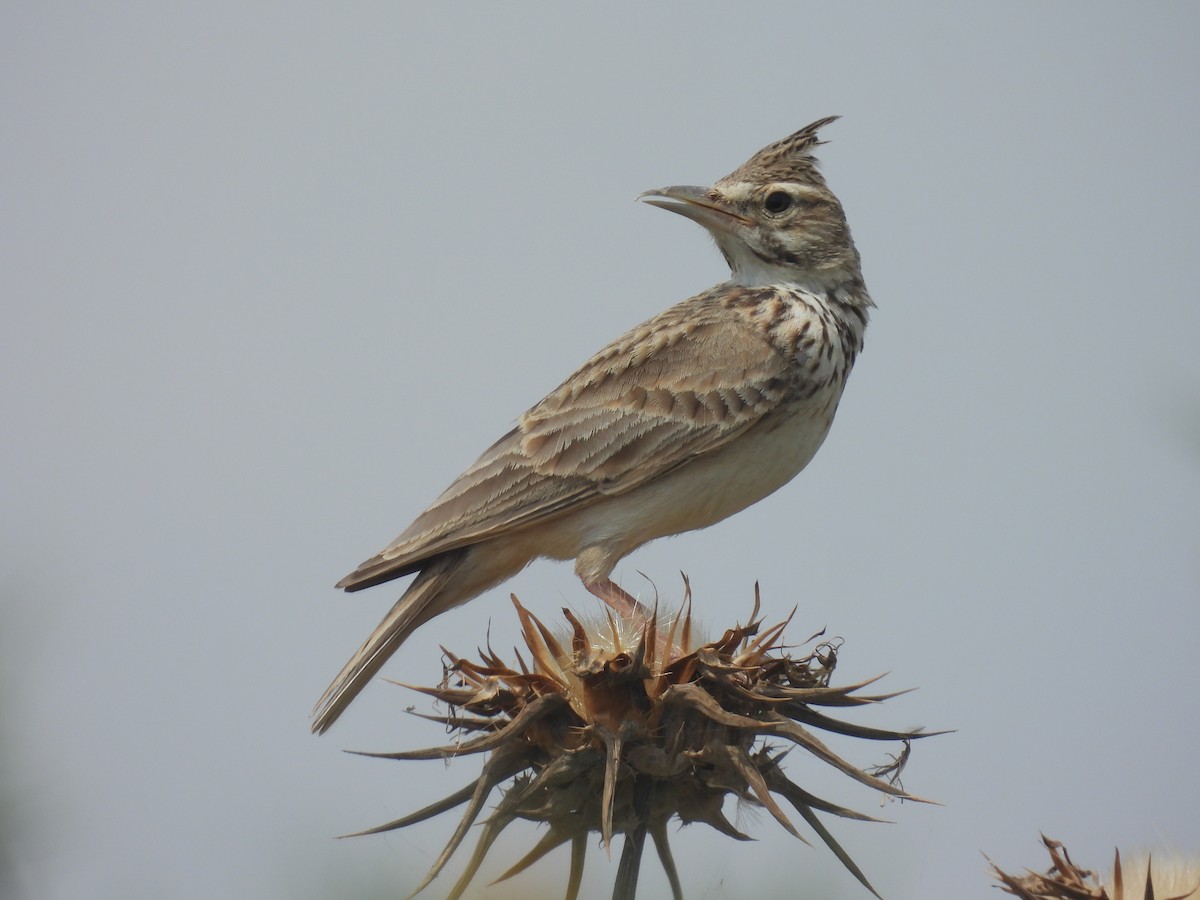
point(679, 386)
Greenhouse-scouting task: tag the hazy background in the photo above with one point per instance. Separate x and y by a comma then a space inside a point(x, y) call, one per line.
point(273, 277)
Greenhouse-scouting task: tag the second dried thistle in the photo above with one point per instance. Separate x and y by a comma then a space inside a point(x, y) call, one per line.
point(1067, 881)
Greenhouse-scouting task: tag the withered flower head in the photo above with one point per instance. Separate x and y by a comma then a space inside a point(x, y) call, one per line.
point(618, 734)
point(1067, 881)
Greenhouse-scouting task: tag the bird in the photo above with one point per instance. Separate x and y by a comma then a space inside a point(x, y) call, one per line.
point(679, 423)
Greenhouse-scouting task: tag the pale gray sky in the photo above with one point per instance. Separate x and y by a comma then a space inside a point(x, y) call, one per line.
point(273, 276)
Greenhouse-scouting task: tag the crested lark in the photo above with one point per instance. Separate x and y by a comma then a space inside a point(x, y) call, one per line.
point(686, 419)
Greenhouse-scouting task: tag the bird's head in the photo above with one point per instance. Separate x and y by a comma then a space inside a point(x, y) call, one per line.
point(773, 218)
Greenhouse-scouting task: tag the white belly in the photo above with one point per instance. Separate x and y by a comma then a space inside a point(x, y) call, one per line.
point(696, 495)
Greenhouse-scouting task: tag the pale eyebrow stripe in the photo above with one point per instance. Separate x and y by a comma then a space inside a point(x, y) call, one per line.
point(742, 189)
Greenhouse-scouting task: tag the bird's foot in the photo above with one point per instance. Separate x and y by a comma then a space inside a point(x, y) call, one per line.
point(633, 611)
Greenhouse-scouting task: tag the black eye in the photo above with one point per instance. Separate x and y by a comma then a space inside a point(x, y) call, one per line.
point(777, 202)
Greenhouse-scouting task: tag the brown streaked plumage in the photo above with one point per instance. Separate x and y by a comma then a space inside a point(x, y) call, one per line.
point(680, 422)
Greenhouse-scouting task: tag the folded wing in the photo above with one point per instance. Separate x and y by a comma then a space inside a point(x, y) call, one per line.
point(680, 386)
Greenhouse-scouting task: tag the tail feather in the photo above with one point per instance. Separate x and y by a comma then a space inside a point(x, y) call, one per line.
point(423, 600)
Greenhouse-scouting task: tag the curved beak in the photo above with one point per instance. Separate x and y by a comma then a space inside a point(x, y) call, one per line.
point(697, 203)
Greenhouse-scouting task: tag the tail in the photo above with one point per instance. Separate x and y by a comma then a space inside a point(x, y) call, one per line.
point(423, 600)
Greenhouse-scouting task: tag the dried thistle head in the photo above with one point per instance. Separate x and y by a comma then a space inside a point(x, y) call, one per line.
point(614, 733)
point(1067, 881)
point(1165, 876)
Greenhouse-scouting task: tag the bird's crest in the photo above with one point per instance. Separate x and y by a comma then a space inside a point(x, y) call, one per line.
point(789, 159)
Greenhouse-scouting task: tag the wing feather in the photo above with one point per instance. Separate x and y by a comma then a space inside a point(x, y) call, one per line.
point(682, 385)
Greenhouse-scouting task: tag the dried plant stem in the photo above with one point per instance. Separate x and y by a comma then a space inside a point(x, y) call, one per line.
point(630, 865)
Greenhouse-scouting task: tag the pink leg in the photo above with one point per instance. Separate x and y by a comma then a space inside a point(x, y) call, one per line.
point(618, 600)
point(628, 608)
